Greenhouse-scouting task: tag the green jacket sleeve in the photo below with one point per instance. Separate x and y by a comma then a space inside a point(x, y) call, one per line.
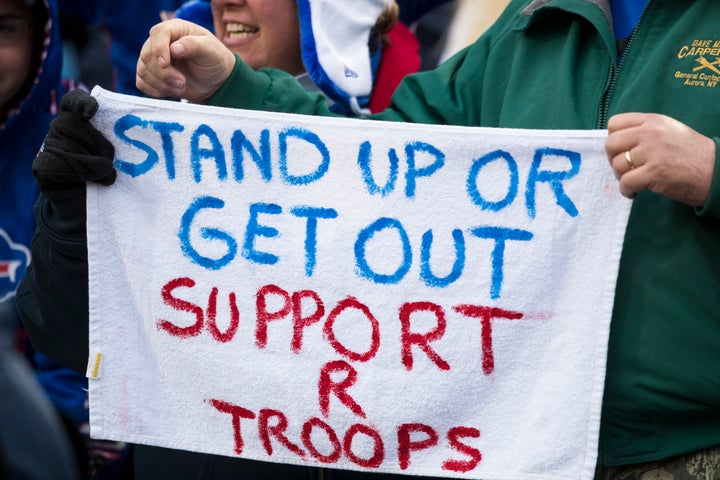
point(269, 90)
point(711, 208)
point(428, 97)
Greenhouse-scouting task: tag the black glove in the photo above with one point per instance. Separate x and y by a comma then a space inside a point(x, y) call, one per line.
point(74, 152)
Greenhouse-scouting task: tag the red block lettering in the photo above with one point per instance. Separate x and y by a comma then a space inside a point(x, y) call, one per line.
point(300, 322)
point(406, 445)
point(182, 306)
point(237, 413)
point(263, 316)
point(336, 451)
point(409, 338)
point(212, 315)
point(378, 446)
point(326, 386)
point(486, 314)
point(277, 431)
point(352, 302)
point(454, 435)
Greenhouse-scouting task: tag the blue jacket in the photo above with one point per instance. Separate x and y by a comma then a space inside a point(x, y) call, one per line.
point(21, 136)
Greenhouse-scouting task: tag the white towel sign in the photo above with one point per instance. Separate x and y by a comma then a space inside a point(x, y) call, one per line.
point(352, 294)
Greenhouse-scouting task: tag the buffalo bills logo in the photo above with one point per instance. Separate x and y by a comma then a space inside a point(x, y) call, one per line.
point(14, 259)
point(349, 72)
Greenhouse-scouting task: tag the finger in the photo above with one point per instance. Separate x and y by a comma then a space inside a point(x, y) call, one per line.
point(56, 167)
point(156, 48)
point(70, 133)
point(202, 49)
point(190, 48)
point(622, 121)
point(621, 166)
point(157, 87)
point(633, 182)
point(627, 161)
point(80, 103)
point(164, 34)
point(157, 81)
point(155, 74)
point(619, 142)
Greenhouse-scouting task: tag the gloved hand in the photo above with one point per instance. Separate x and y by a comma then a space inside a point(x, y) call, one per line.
point(74, 152)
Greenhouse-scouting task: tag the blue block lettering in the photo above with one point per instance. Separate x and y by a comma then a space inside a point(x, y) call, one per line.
point(210, 234)
point(426, 273)
point(239, 144)
point(413, 173)
point(364, 159)
point(311, 138)
point(366, 234)
point(216, 152)
point(255, 229)
point(554, 178)
point(477, 165)
point(312, 214)
point(500, 235)
point(122, 125)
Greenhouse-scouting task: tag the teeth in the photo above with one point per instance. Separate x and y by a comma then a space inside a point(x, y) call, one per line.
point(234, 35)
point(240, 30)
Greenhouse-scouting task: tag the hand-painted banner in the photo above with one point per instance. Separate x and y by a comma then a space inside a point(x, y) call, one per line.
point(353, 294)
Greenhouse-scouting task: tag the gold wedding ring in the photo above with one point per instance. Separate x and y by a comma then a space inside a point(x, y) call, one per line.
point(629, 161)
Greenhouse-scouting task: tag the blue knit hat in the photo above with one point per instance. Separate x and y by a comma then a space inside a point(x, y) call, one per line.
point(334, 40)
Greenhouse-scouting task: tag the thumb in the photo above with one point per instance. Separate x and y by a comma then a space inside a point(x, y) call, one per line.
point(179, 50)
point(79, 103)
point(205, 50)
point(164, 34)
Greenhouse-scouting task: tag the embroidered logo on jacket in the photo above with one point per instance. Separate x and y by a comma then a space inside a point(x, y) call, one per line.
point(704, 70)
point(14, 259)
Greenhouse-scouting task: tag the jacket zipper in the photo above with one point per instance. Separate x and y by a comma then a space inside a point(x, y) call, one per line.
point(605, 106)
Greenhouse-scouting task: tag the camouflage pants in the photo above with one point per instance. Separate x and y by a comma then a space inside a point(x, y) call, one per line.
point(701, 465)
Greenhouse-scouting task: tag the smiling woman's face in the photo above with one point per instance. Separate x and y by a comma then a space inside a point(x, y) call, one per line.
point(264, 33)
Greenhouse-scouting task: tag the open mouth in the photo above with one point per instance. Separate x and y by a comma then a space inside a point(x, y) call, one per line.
point(239, 30)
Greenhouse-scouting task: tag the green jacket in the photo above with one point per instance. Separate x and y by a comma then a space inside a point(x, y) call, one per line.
point(552, 64)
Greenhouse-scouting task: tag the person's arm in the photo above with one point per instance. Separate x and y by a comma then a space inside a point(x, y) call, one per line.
point(432, 97)
point(183, 60)
point(268, 89)
point(53, 295)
